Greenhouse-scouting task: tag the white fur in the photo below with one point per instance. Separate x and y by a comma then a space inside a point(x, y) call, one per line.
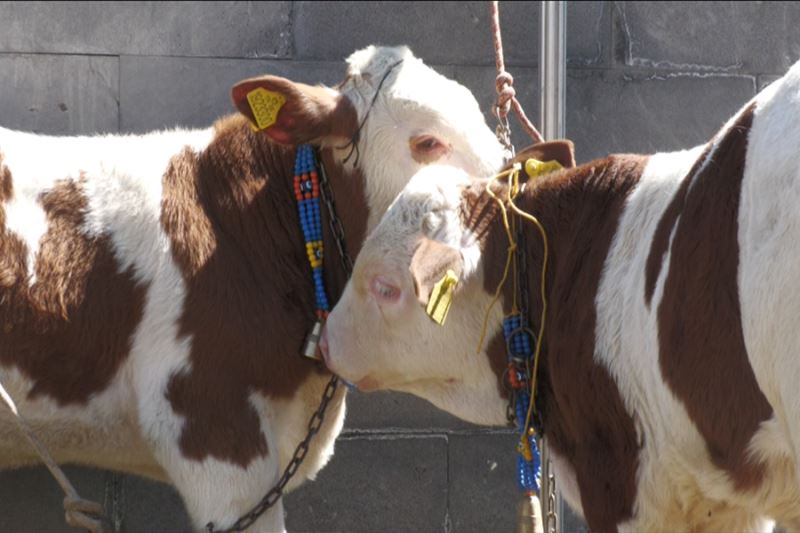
point(131, 426)
point(442, 364)
point(678, 486)
point(414, 100)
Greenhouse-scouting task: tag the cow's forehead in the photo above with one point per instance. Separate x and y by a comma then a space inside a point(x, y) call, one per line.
point(428, 206)
point(374, 60)
point(411, 81)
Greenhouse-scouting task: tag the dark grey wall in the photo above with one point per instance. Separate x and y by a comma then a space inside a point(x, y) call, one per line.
point(642, 77)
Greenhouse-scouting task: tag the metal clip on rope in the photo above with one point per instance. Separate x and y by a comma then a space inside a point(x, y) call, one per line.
point(506, 95)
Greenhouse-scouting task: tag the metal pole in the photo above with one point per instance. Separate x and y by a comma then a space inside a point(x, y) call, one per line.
point(552, 91)
point(553, 69)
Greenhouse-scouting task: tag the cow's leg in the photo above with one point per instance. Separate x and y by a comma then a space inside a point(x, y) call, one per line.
point(219, 491)
point(215, 484)
point(602, 492)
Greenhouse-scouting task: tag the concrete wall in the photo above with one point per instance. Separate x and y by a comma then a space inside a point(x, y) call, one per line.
point(642, 77)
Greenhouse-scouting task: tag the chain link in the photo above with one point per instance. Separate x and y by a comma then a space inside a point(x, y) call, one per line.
point(522, 276)
point(552, 516)
point(503, 134)
point(335, 223)
point(275, 493)
point(316, 420)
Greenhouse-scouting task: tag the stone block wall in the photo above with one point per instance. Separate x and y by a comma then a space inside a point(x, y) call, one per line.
point(642, 77)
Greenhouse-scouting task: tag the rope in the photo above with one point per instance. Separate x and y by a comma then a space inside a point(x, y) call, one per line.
point(512, 246)
point(512, 190)
point(77, 511)
point(504, 83)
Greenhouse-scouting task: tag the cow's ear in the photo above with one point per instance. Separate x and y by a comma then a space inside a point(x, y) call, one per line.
point(295, 113)
point(561, 150)
point(430, 265)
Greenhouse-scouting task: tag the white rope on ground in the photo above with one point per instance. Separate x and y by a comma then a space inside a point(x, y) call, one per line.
point(77, 511)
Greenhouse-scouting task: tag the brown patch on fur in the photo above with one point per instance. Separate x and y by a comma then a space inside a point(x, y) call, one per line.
point(702, 351)
point(583, 414)
point(6, 183)
point(70, 331)
point(496, 350)
point(232, 220)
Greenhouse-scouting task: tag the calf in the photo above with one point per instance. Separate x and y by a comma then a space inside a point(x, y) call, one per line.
point(668, 378)
point(155, 291)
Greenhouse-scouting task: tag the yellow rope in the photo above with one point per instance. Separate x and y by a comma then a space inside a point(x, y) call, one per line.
point(512, 246)
point(512, 191)
point(543, 286)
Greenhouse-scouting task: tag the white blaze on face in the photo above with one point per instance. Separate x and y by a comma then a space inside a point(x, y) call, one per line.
point(419, 117)
point(379, 335)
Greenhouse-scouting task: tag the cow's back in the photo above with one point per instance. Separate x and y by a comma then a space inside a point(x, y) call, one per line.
point(81, 252)
point(696, 316)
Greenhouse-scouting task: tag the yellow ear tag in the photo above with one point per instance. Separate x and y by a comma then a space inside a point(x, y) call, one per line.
point(441, 297)
point(265, 106)
point(535, 168)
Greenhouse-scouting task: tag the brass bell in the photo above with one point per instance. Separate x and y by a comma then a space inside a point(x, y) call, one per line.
point(529, 514)
point(311, 346)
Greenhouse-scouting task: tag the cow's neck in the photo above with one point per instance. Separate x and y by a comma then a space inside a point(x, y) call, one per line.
point(580, 209)
point(248, 186)
point(231, 215)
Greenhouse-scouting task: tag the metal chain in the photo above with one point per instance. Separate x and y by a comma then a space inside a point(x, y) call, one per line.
point(551, 520)
point(315, 423)
point(335, 223)
point(551, 516)
point(522, 276)
point(503, 133)
point(275, 493)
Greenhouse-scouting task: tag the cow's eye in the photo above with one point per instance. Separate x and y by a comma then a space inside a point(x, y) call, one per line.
point(383, 290)
point(427, 148)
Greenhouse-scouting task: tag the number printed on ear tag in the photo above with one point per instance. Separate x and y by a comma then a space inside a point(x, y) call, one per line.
point(442, 297)
point(265, 106)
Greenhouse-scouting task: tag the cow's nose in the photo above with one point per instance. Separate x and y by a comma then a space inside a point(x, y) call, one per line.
point(323, 345)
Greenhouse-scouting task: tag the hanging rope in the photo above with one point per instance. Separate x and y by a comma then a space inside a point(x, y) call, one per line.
point(504, 83)
point(77, 511)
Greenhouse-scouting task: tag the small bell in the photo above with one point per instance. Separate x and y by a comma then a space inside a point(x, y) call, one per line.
point(529, 514)
point(311, 346)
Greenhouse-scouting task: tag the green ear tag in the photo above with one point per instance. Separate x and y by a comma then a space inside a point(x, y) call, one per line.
point(441, 297)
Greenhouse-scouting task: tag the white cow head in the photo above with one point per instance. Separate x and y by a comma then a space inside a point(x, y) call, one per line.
point(379, 335)
point(400, 114)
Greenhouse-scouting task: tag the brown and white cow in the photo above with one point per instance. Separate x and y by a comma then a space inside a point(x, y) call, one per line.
point(155, 290)
point(670, 371)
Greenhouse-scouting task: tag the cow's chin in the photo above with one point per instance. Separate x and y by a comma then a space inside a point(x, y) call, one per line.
point(368, 384)
point(477, 404)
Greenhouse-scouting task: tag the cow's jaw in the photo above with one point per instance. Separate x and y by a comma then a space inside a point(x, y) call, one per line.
point(465, 385)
